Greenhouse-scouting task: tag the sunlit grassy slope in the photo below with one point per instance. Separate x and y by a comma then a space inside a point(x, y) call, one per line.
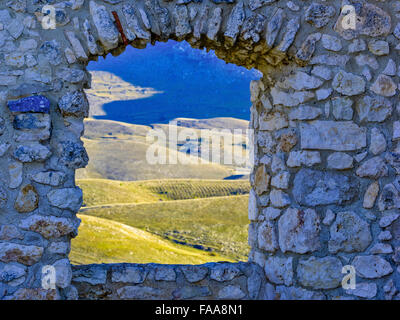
point(218, 224)
point(100, 191)
point(107, 241)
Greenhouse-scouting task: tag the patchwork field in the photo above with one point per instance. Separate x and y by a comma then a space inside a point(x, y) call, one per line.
point(101, 191)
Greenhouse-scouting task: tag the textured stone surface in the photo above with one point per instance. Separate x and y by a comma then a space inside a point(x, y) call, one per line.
point(340, 161)
point(364, 290)
point(319, 15)
point(371, 267)
point(32, 152)
point(279, 270)
point(267, 239)
point(231, 292)
point(371, 21)
point(348, 84)
point(373, 168)
point(49, 227)
point(27, 199)
point(349, 233)
point(332, 135)
point(378, 142)
point(389, 198)
point(324, 273)
point(370, 195)
point(133, 274)
point(299, 231)
point(52, 178)
point(306, 158)
point(73, 155)
point(63, 273)
point(279, 199)
point(311, 187)
point(74, 104)
point(30, 104)
point(384, 86)
point(67, 198)
point(261, 180)
point(27, 255)
point(93, 275)
point(194, 273)
point(224, 272)
point(294, 293)
point(376, 109)
point(165, 274)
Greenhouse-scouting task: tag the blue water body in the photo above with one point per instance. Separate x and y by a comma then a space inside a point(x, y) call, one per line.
point(195, 84)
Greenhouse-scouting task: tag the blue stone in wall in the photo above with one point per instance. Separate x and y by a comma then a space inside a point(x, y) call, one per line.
point(30, 104)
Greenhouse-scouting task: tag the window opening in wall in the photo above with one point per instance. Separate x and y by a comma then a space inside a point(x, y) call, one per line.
point(168, 177)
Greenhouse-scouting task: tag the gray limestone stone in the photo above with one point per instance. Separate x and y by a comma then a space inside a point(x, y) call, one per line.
point(74, 104)
point(224, 272)
point(279, 270)
point(349, 233)
point(312, 188)
point(235, 22)
point(128, 274)
point(66, 198)
point(373, 168)
point(374, 109)
point(378, 142)
point(107, 31)
point(348, 84)
point(266, 237)
point(365, 290)
point(27, 199)
point(320, 273)
point(332, 135)
point(340, 161)
point(299, 231)
point(194, 273)
point(319, 15)
point(372, 267)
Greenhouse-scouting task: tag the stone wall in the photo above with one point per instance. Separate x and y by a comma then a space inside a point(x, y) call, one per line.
point(326, 129)
point(152, 281)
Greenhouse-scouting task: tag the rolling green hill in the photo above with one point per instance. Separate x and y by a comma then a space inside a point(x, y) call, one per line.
point(217, 224)
point(105, 241)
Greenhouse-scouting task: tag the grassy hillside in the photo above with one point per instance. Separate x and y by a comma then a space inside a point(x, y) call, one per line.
point(118, 150)
point(105, 241)
point(218, 224)
point(100, 191)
